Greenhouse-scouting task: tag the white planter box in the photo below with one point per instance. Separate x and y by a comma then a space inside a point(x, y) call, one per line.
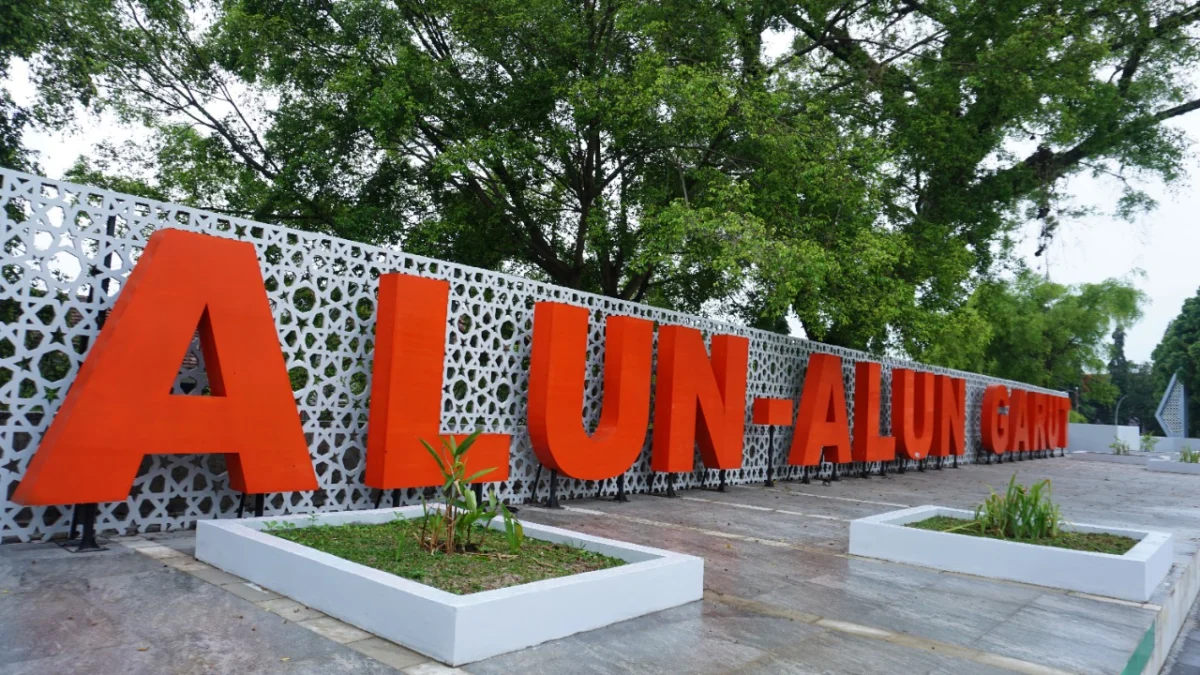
point(1132, 576)
point(454, 629)
point(1173, 467)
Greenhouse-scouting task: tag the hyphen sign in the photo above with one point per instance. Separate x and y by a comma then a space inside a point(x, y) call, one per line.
point(120, 408)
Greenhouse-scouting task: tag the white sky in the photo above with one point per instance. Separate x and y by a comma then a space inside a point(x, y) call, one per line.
point(1161, 244)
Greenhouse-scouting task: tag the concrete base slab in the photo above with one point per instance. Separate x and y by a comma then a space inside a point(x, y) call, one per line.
point(782, 594)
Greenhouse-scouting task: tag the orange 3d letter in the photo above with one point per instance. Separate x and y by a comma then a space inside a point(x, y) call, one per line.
point(912, 412)
point(406, 390)
point(688, 382)
point(1058, 421)
point(1018, 415)
point(556, 383)
point(821, 423)
point(1035, 403)
point(950, 417)
point(993, 424)
point(869, 446)
point(120, 407)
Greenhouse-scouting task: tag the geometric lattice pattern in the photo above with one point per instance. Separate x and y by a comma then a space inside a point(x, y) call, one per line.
point(67, 250)
point(1172, 410)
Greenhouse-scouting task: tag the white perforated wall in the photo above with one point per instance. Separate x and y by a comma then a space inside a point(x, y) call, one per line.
point(68, 248)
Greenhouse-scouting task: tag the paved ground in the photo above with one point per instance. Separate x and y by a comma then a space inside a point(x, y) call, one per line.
point(782, 594)
point(1185, 657)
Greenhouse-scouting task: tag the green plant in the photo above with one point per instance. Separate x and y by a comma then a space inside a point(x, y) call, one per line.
point(1076, 417)
point(450, 529)
point(1119, 447)
point(1189, 456)
point(1148, 442)
point(1020, 513)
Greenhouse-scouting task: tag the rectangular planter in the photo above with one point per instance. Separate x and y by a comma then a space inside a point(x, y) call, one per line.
point(1173, 467)
point(454, 629)
point(1132, 576)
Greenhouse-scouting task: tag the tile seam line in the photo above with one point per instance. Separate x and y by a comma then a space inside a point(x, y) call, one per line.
point(779, 543)
point(285, 619)
point(872, 633)
point(798, 493)
point(752, 507)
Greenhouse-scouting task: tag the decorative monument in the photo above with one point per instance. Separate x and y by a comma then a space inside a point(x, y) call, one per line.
point(1172, 410)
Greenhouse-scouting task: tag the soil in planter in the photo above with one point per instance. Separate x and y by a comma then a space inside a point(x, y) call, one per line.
point(1096, 542)
point(393, 547)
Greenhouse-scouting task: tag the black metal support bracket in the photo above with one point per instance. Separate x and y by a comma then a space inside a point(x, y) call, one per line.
point(721, 477)
point(770, 457)
point(671, 486)
point(621, 496)
point(537, 477)
point(85, 516)
point(552, 501)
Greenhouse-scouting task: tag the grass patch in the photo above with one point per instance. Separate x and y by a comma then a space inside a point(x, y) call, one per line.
point(394, 547)
point(1077, 541)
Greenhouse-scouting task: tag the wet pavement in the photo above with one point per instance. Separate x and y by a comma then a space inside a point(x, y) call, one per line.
point(782, 593)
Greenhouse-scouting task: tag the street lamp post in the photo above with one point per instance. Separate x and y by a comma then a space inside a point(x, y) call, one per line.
point(1117, 413)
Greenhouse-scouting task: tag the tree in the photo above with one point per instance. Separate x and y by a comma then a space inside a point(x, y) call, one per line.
point(986, 107)
point(1044, 333)
point(867, 179)
point(616, 147)
point(1179, 352)
point(1134, 389)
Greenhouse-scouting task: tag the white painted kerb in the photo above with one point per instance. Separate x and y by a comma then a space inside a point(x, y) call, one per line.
point(1173, 467)
point(454, 629)
point(1132, 576)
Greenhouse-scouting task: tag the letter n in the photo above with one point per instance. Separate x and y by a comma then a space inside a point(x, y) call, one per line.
point(556, 384)
point(950, 416)
point(120, 407)
point(699, 397)
point(406, 390)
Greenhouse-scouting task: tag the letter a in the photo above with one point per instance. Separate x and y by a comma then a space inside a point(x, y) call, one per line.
point(556, 382)
point(120, 407)
point(822, 421)
point(406, 390)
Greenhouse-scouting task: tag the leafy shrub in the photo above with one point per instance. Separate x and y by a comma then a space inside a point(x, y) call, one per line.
point(1148, 443)
point(451, 528)
point(1119, 447)
point(1189, 456)
point(1076, 417)
point(1020, 513)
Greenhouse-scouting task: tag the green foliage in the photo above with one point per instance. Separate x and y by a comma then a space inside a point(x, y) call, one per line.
point(1179, 351)
point(1189, 456)
point(1119, 447)
point(1020, 513)
point(1075, 417)
point(394, 547)
point(1041, 332)
point(1148, 442)
point(867, 179)
point(461, 516)
point(1098, 542)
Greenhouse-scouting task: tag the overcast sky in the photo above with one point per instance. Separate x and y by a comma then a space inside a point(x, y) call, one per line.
point(1162, 245)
